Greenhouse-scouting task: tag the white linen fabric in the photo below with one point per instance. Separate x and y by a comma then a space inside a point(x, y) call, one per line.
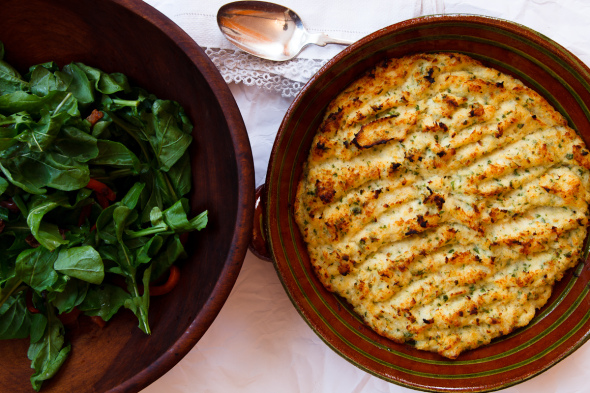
point(198, 18)
point(557, 19)
point(259, 343)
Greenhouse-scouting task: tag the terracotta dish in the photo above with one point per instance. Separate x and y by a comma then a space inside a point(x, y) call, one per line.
point(131, 37)
point(558, 328)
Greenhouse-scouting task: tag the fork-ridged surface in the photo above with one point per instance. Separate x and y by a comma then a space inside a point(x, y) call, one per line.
point(556, 330)
point(443, 199)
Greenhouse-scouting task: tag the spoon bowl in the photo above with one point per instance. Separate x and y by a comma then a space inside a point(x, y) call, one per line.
point(268, 30)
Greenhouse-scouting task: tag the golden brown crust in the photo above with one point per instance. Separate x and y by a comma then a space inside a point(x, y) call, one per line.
point(443, 199)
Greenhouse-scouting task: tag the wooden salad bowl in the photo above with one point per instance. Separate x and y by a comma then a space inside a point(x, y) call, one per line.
point(131, 37)
point(558, 329)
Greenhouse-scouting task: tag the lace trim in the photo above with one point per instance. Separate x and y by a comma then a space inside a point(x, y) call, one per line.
point(286, 78)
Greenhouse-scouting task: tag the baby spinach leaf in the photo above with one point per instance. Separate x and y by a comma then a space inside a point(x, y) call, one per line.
point(38, 326)
point(68, 233)
point(3, 186)
point(10, 79)
point(83, 263)
point(6, 143)
point(18, 178)
point(132, 197)
point(35, 268)
point(157, 218)
point(165, 188)
point(53, 102)
point(103, 82)
point(115, 154)
point(77, 144)
point(72, 295)
point(109, 254)
point(80, 86)
point(180, 175)
point(105, 225)
point(15, 320)
point(39, 136)
point(49, 236)
point(6, 268)
point(43, 80)
point(173, 250)
point(104, 301)
point(10, 286)
point(46, 233)
point(33, 172)
point(165, 133)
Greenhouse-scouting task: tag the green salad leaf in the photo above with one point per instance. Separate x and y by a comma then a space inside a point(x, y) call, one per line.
point(94, 178)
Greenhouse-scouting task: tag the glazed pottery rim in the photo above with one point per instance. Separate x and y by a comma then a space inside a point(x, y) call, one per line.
point(274, 172)
point(244, 214)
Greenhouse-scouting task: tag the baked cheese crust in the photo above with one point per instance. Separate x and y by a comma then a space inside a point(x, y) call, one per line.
point(443, 199)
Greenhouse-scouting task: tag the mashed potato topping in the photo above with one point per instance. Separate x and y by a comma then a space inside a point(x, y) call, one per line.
point(443, 199)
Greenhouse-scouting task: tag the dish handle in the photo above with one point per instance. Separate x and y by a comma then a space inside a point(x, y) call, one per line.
point(258, 244)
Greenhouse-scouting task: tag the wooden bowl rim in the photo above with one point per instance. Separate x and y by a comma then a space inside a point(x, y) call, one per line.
point(244, 215)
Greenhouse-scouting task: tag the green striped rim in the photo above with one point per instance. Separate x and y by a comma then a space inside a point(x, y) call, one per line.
point(554, 102)
point(294, 266)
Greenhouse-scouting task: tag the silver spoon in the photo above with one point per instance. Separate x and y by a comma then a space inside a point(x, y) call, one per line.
point(268, 30)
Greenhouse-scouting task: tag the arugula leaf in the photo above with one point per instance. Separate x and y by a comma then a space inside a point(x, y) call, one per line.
point(122, 216)
point(151, 198)
point(149, 250)
point(176, 218)
point(48, 353)
point(140, 304)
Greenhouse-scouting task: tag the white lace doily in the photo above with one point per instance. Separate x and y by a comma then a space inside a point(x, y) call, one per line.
point(286, 78)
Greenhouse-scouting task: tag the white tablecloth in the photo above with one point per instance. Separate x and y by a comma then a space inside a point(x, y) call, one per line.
point(259, 343)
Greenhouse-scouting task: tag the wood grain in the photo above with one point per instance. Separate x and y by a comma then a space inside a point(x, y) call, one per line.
point(131, 37)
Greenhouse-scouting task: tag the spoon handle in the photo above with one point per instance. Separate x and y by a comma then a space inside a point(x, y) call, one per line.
point(322, 39)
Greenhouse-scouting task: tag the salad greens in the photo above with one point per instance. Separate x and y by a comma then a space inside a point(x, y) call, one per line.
point(93, 184)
